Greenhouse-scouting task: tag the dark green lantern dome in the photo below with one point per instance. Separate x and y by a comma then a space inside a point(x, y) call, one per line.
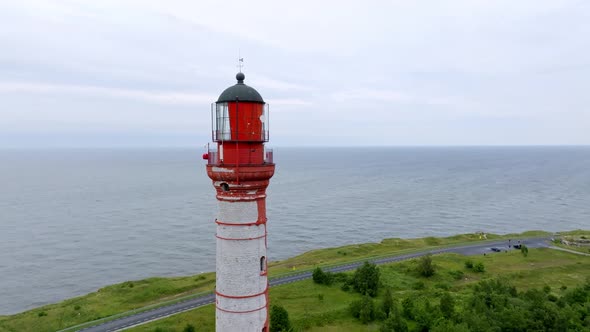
point(241, 92)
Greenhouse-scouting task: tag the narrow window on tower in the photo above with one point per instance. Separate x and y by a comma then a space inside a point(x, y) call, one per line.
point(262, 265)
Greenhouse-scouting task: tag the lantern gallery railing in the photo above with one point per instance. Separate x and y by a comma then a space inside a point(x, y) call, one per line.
point(213, 157)
point(240, 122)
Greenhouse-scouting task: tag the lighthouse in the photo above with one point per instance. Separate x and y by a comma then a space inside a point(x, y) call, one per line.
point(240, 168)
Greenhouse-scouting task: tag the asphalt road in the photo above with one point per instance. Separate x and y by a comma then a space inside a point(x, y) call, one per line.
point(169, 310)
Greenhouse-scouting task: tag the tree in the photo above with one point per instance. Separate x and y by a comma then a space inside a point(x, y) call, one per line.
point(387, 302)
point(425, 267)
point(279, 319)
point(366, 279)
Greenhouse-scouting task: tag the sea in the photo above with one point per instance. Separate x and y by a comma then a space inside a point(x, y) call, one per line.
point(75, 220)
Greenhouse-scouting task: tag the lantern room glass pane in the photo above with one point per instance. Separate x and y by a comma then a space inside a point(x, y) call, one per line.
point(223, 129)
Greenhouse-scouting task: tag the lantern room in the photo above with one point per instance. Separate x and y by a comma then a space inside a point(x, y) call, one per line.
point(239, 121)
point(240, 114)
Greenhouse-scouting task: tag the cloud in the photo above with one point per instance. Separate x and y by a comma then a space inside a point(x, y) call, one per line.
point(288, 102)
point(160, 97)
point(371, 95)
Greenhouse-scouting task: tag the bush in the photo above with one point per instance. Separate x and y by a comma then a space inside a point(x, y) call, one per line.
point(388, 303)
point(77, 307)
point(42, 314)
point(469, 264)
point(363, 309)
point(366, 279)
point(419, 285)
point(279, 319)
point(479, 267)
point(447, 305)
point(524, 250)
point(394, 323)
point(425, 267)
point(189, 328)
point(367, 312)
point(457, 274)
point(321, 277)
point(408, 308)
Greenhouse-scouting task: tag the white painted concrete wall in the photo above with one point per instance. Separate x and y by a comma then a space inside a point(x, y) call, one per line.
point(238, 269)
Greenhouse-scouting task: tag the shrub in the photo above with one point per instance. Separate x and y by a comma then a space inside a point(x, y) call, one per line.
point(447, 305)
point(42, 314)
point(366, 279)
point(419, 285)
point(457, 274)
point(394, 323)
point(408, 308)
point(339, 277)
point(321, 277)
point(469, 264)
point(524, 250)
point(367, 313)
point(388, 303)
point(77, 307)
point(189, 328)
point(321, 297)
point(425, 267)
point(279, 319)
point(479, 267)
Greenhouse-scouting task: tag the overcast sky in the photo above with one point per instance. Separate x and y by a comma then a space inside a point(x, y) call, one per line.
point(143, 73)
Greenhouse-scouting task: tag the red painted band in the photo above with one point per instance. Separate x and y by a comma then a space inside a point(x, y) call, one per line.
point(241, 312)
point(257, 223)
point(232, 239)
point(242, 297)
point(239, 198)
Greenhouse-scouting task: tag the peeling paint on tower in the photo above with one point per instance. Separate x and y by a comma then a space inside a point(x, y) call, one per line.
point(240, 168)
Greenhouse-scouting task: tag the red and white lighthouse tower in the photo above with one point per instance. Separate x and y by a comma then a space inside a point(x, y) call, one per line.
point(241, 168)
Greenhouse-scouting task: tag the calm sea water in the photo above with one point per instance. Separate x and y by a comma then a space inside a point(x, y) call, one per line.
point(72, 221)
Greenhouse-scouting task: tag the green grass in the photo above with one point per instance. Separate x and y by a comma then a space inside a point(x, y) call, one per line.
point(121, 298)
point(106, 302)
point(542, 267)
point(387, 247)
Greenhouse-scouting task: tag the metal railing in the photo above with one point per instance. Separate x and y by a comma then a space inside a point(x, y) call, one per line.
point(213, 157)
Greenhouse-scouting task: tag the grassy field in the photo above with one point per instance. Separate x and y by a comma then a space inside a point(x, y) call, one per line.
point(315, 307)
point(573, 237)
point(132, 295)
point(106, 302)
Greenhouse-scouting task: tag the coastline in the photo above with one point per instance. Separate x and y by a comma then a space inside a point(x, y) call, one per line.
point(132, 295)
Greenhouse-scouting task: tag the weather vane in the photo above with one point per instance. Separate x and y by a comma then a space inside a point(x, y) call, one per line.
point(240, 62)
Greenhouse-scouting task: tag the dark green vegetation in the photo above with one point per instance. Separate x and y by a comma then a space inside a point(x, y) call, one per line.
point(318, 307)
point(443, 301)
point(279, 319)
point(490, 305)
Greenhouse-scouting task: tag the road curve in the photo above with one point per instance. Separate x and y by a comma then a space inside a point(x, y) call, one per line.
point(172, 309)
